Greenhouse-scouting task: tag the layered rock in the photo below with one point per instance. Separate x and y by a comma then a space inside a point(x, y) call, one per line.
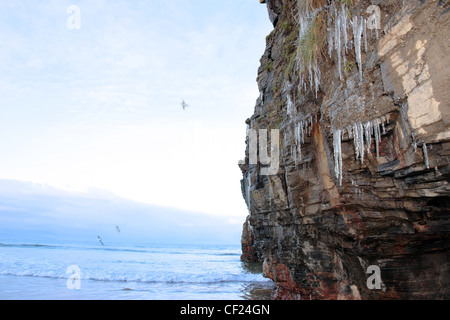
point(359, 93)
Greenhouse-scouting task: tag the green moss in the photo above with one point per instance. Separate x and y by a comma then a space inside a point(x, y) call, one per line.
point(349, 65)
point(312, 44)
point(289, 51)
point(275, 90)
point(310, 5)
point(269, 66)
point(278, 123)
point(347, 2)
point(290, 62)
point(286, 26)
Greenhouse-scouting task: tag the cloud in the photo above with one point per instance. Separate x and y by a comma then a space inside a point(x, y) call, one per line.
point(100, 106)
point(46, 212)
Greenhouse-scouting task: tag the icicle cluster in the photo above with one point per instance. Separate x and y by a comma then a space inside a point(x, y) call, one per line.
point(312, 77)
point(357, 33)
point(305, 18)
point(361, 133)
point(338, 37)
point(299, 131)
point(312, 74)
point(299, 128)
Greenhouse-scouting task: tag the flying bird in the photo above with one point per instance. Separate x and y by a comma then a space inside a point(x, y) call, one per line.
point(118, 229)
point(100, 240)
point(184, 105)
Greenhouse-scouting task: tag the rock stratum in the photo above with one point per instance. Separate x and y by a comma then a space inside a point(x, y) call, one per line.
point(347, 164)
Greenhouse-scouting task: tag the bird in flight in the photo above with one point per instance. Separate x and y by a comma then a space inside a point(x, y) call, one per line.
point(118, 229)
point(184, 105)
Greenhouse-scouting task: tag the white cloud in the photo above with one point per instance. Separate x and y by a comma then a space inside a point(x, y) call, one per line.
point(100, 107)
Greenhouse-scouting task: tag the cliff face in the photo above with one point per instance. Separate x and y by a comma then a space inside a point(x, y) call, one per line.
point(358, 93)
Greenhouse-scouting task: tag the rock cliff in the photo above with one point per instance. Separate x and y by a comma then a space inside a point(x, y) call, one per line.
point(347, 167)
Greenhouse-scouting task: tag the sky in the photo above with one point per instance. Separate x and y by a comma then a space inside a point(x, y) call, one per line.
point(31, 213)
point(94, 105)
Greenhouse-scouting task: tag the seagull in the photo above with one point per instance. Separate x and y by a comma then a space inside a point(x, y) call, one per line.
point(184, 105)
point(100, 240)
point(118, 229)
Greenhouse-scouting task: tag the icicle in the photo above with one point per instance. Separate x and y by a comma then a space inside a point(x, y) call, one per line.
point(290, 106)
point(371, 91)
point(337, 39)
point(349, 132)
point(376, 129)
point(337, 135)
point(368, 134)
point(357, 33)
point(305, 18)
point(365, 34)
point(355, 140)
point(310, 75)
point(343, 18)
point(361, 141)
point(330, 32)
point(425, 156)
point(358, 140)
point(303, 22)
point(299, 139)
point(297, 134)
point(300, 132)
point(294, 154)
point(316, 79)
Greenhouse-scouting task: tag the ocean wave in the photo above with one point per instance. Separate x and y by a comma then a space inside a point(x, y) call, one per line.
point(140, 278)
point(228, 254)
point(30, 245)
point(119, 249)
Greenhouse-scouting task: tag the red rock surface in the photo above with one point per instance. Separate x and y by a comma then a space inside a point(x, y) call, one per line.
point(316, 236)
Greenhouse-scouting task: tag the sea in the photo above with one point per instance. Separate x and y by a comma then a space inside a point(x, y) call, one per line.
point(63, 270)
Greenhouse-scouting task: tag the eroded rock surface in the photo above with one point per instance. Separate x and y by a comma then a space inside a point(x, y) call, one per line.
point(364, 168)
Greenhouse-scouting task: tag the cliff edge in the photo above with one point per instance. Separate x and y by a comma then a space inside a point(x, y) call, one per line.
point(347, 167)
